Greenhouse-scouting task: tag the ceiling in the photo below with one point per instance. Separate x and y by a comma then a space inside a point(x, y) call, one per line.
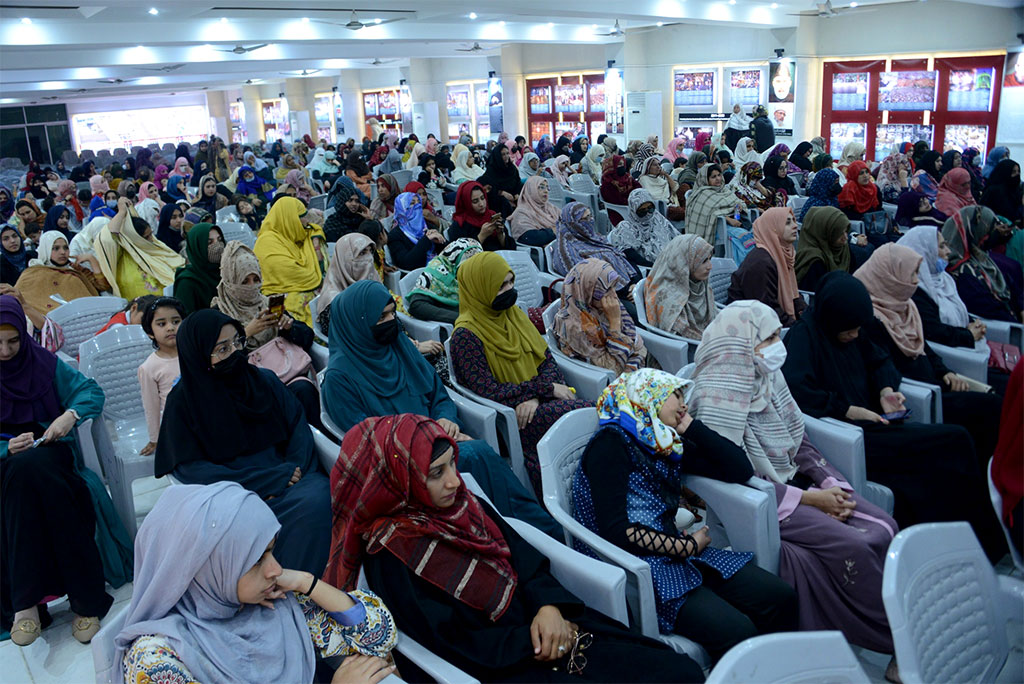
point(61, 49)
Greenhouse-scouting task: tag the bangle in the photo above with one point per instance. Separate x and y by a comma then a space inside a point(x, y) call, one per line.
point(313, 584)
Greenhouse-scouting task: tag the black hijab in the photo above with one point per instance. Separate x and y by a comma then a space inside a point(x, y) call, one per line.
point(443, 159)
point(578, 153)
point(771, 176)
point(502, 176)
point(216, 414)
point(562, 146)
point(356, 164)
point(1002, 193)
point(183, 151)
point(164, 232)
point(798, 159)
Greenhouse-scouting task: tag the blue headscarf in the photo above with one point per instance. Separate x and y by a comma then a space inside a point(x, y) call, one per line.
point(253, 187)
point(98, 207)
point(409, 217)
point(53, 215)
point(172, 187)
point(994, 157)
point(387, 379)
point(822, 191)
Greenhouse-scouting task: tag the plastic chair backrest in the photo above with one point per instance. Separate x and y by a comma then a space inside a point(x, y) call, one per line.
point(940, 593)
point(112, 359)
point(556, 193)
point(408, 281)
point(102, 646)
point(581, 182)
point(721, 277)
point(82, 318)
point(436, 198)
point(527, 279)
point(402, 177)
point(227, 215)
point(316, 326)
point(238, 231)
point(318, 202)
point(790, 658)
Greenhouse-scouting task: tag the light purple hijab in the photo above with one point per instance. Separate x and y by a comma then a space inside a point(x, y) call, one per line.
point(189, 554)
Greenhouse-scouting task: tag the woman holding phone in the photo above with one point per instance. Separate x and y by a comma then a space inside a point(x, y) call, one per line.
point(474, 218)
point(411, 242)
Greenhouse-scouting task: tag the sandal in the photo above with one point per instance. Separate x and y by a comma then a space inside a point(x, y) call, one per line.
point(892, 672)
point(25, 631)
point(85, 628)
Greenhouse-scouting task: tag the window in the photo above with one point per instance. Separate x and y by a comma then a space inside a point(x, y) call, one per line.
point(127, 128)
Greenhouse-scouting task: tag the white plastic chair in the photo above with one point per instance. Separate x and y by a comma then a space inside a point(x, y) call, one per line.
point(420, 329)
point(721, 278)
point(81, 318)
point(556, 193)
point(113, 359)
point(672, 351)
point(947, 609)
point(1005, 332)
point(744, 509)
point(318, 202)
point(997, 504)
point(238, 231)
point(402, 177)
point(796, 204)
point(227, 214)
point(790, 658)
point(529, 281)
point(102, 646)
point(969, 362)
point(599, 377)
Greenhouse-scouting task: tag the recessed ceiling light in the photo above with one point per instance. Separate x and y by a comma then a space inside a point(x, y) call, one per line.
point(551, 23)
point(223, 20)
point(853, 4)
point(661, 23)
point(154, 11)
point(376, 20)
point(26, 20)
point(501, 23)
point(140, 47)
point(305, 20)
point(732, 2)
point(775, 5)
point(472, 15)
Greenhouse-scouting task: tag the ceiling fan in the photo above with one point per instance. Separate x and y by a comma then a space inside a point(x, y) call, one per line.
point(476, 47)
point(617, 31)
point(377, 61)
point(116, 81)
point(354, 24)
point(241, 49)
point(825, 10)
point(167, 68)
point(304, 72)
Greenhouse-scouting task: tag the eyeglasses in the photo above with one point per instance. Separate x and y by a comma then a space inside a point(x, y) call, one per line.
point(578, 661)
point(227, 347)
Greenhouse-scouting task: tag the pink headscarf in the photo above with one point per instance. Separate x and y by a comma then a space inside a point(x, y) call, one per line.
point(703, 138)
point(98, 184)
point(180, 167)
point(431, 146)
point(768, 236)
point(515, 155)
point(954, 192)
point(531, 213)
point(670, 150)
point(297, 180)
point(144, 193)
point(160, 175)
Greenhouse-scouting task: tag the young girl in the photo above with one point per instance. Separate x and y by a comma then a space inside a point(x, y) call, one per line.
point(159, 372)
point(131, 314)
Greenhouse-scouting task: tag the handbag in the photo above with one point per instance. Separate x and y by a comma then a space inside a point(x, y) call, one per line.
point(286, 359)
point(1003, 357)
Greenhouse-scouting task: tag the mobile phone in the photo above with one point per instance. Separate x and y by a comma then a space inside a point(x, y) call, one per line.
point(277, 305)
point(897, 415)
point(37, 442)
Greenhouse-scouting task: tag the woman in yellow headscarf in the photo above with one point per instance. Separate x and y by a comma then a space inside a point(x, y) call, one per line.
point(288, 256)
point(498, 353)
point(132, 260)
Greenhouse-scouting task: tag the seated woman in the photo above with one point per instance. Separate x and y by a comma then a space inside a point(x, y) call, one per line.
point(14, 257)
point(55, 553)
point(914, 209)
point(688, 176)
point(239, 296)
point(592, 324)
point(894, 177)
point(383, 205)
point(430, 214)
point(502, 180)
point(891, 277)
point(616, 184)
point(54, 273)
point(207, 198)
point(577, 239)
point(944, 315)
point(1003, 191)
point(504, 619)
point(833, 371)
point(860, 195)
point(747, 187)
point(374, 370)
point(411, 243)
point(535, 218)
point(226, 419)
point(926, 179)
point(627, 490)
point(255, 188)
point(824, 247)
point(287, 250)
point(529, 166)
point(709, 199)
point(131, 259)
point(436, 294)
point(558, 169)
point(677, 296)
point(210, 597)
point(466, 168)
point(476, 219)
point(58, 218)
point(767, 274)
point(645, 232)
point(954, 192)
point(822, 191)
point(776, 176)
point(986, 287)
point(497, 353)
point(661, 187)
point(169, 227)
point(195, 283)
point(358, 172)
point(349, 212)
point(288, 164)
point(826, 527)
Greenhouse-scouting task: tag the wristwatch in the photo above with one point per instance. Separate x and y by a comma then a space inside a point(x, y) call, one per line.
point(75, 414)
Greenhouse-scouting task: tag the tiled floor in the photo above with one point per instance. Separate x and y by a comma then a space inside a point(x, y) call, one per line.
point(57, 657)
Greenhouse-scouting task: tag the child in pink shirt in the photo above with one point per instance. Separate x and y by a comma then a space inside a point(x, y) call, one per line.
point(159, 372)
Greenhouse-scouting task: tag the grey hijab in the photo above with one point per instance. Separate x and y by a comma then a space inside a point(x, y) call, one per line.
point(392, 163)
point(189, 554)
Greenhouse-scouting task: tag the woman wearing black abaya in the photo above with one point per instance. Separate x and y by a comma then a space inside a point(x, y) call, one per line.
point(834, 372)
point(229, 420)
point(502, 179)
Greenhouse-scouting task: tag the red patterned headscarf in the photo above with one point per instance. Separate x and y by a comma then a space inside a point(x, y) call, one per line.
point(861, 197)
point(380, 500)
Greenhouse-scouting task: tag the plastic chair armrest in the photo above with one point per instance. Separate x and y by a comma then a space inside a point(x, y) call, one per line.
point(671, 353)
point(922, 400)
point(319, 355)
point(748, 512)
point(967, 362)
point(439, 669)
point(480, 421)
point(421, 330)
point(588, 381)
point(842, 445)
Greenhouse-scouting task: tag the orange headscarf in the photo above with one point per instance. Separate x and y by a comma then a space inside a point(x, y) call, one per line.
point(768, 236)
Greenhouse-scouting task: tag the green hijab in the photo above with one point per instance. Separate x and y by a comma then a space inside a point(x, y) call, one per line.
point(439, 279)
point(199, 273)
point(819, 236)
point(387, 379)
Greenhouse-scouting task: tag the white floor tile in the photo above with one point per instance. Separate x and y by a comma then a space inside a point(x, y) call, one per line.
point(148, 484)
point(56, 656)
point(13, 668)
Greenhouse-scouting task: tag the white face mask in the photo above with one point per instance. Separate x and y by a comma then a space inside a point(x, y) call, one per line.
point(774, 355)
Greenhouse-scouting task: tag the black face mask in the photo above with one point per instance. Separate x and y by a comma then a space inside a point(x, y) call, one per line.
point(505, 300)
point(620, 170)
point(231, 365)
point(386, 333)
point(643, 213)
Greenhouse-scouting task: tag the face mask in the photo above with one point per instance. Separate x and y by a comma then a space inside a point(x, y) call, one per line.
point(505, 300)
point(620, 170)
point(329, 155)
point(231, 365)
point(643, 213)
point(774, 356)
point(386, 333)
point(214, 251)
point(941, 264)
point(111, 204)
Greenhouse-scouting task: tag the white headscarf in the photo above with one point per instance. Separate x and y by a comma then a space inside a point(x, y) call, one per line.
point(414, 157)
point(464, 172)
point(938, 285)
point(743, 156)
point(81, 243)
point(592, 162)
point(558, 174)
point(524, 166)
point(46, 241)
point(739, 122)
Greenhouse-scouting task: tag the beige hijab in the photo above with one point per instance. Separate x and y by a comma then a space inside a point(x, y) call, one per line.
point(888, 277)
point(768, 236)
point(153, 257)
point(242, 302)
point(347, 267)
point(673, 299)
point(531, 213)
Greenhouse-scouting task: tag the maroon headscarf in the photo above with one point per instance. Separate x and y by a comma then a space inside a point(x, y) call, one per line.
point(464, 214)
point(27, 394)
